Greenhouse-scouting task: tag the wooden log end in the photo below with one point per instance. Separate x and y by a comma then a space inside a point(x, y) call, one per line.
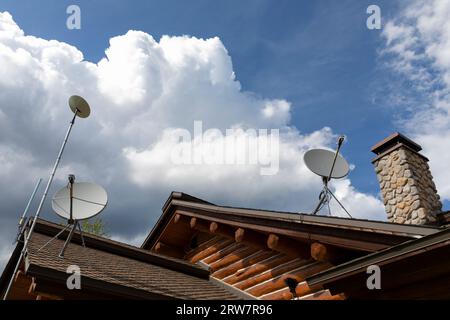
point(239, 235)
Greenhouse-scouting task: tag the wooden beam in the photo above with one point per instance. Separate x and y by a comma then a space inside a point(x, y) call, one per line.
point(224, 252)
point(271, 273)
point(323, 295)
point(279, 282)
point(250, 238)
point(239, 235)
point(301, 289)
point(202, 247)
point(288, 246)
point(244, 263)
point(199, 224)
point(32, 287)
point(22, 280)
point(176, 218)
point(231, 258)
point(205, 225)
point(283, 294)
point(338, 239)
point(321, 252)
point(210, 250)
point(167, 250)
point(213, 227)
point(45, 292)
point(275, 260)
point(222, 229)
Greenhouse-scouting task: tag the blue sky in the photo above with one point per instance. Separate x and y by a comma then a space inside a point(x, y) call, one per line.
point(319, 55)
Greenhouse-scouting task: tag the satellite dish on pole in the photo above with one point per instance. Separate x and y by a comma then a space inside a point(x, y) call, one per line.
point(88, 200)
point(79, 106)
point(328, 165)
point(81, 109)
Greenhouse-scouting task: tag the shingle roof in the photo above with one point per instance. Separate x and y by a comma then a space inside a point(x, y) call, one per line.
point(123, 270)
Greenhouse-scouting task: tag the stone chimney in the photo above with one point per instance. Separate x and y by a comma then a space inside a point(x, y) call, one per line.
point(409, 193)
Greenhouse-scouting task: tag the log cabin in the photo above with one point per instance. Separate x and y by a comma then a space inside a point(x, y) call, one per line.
point(200, 250)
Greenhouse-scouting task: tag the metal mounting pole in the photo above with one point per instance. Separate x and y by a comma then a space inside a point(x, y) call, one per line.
point(22, 218)
point(342, 206)
point(38, 211)
point(69, 238)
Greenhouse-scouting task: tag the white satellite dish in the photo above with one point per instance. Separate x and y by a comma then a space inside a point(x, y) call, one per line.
point(320, 162)
point(79, 106)
point(328, 165)
point(75, 202)
point(88, 200)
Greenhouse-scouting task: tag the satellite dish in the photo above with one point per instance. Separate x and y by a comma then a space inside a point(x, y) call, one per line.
point(79, 106)
point(328, 165)
point(88, 200)
point(320, 162)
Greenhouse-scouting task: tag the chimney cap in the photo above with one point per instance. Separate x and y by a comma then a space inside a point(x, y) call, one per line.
point(395, 139)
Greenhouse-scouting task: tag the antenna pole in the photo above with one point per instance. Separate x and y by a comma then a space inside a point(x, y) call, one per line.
point(22, 218)
point(71, 181)
point(38, 211)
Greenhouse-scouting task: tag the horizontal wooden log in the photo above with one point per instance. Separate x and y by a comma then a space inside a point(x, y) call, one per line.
point(244, 263)
point(286, 293)
point(269, 274)
point(283, 294)
point(272, 262)
point(202, 247)
point(231, 258)
point(224, 252)
point(323, 295)
point(340, 296)
point(288, 246)
point(279, 282)
point(210, 250)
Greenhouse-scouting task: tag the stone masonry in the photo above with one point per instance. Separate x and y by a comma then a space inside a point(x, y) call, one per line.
point(407, 187)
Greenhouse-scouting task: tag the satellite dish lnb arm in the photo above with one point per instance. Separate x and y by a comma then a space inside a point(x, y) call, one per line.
point(340, 141)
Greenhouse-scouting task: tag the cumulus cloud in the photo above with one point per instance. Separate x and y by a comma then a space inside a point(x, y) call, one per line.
point(140, 92)
point(417, 46)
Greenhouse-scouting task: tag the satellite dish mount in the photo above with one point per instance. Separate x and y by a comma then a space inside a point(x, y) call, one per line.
point(76, 202)
point(71, 221)
point(329, 166)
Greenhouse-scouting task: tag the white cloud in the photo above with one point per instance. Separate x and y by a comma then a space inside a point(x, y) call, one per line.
point(418, 47)
point(139, 90)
